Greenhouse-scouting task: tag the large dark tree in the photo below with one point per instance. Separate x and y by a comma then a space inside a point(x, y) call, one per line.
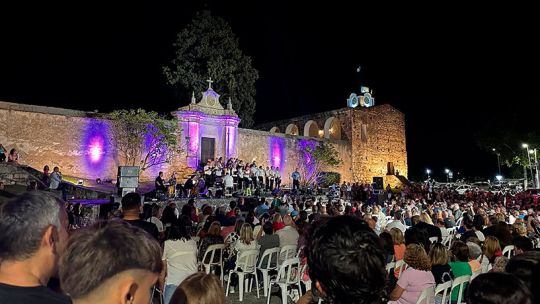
point(207, 47)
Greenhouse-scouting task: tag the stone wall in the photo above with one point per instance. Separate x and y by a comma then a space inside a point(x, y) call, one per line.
point(72, 140)
point(378, 137)
point(281, 150)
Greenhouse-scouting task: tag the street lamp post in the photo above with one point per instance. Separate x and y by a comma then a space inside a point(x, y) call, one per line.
point(447, 173)
point(536, 169)
point(526, 146)
point(498, 159)
point(529, 152)
point(428, 173)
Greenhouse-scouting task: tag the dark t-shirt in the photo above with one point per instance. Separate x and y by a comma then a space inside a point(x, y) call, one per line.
point(30, 295)
point(441, 273)
point(147, 226)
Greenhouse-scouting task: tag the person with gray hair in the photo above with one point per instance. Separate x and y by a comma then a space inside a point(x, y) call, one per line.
point(33, 236)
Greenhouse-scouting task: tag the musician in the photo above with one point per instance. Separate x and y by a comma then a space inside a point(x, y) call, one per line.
point(172, 185)
point(188, 185)
point(270, 175)
point(277, 176)
point(160, 183)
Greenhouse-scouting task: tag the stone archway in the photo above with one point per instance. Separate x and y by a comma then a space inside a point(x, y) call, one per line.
point(292, 129)
point(311, 129)
point(332, 128)
point(274, 130)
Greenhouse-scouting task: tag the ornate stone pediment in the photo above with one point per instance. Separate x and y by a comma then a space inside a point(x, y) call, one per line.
point(209, 104)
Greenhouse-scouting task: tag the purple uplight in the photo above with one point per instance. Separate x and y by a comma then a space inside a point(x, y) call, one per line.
point(95, 145)
point(306, 157)
point(277, 152)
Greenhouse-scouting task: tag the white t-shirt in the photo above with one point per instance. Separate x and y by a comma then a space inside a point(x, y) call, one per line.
point(154, 220)
point(181, 256)
point(228, 180)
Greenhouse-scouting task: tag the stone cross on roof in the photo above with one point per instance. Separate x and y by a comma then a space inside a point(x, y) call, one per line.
point(210, 82)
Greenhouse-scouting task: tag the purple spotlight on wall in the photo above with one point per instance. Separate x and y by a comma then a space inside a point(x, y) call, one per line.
point(276, 152)
point(306, 157)
point(95, 147)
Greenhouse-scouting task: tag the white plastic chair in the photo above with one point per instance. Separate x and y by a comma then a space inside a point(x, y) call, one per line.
point(299, 251)
point(209, 259)
point(401, 265)
point(389, 266)
point(246, 264)
point(445, 289)
point(508, 251)
point(427, 296)
point(460, 283)
point(288, 275)
point(286, 252)
point(476, 273)
point(256, 230)
point(433, 239)
point(265, 265)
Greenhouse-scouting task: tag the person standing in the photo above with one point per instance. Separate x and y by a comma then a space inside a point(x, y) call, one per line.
point(296, 179)
point(277, 176)
point(160, 183)
point(13, 156)
point(2, 153)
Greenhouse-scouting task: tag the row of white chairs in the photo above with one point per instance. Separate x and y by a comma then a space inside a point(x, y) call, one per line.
point(246, 264)
point(444, 291)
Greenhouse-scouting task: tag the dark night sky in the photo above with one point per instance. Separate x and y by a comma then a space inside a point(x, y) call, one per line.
point(451, 70)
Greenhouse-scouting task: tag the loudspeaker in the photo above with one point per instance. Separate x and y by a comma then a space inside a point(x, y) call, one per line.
point(124, 191)
point(128, 182)
point(128, 171)
point(378, 181)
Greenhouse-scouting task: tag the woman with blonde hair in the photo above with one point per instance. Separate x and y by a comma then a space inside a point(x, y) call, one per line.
point(438, 255)
point(424, 217)
point(491, 250)
point(278, 222)
point(199, 288)
point(415, 278)
point(399, 246)
point(245, 242)
point(212, 237)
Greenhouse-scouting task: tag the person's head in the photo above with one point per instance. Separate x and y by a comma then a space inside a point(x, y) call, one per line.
point(238, 225)
point(491, 245)
point(522, 244)
point(346, 262)
point(424, 217)
point(416, 257)
point(397, 236)
point(56, 169)
point(13, 151)
point(131, 202)
point(468, 223)
point(498, 288)
point(110, 262)
point(438, 255)
point(474, 250)
point(277, 218)
point(398, 215)
point(246, 234)
point(415, 220)
point(460, 251)
point(268, 228)
point(160, 173)
point(178, 231)
point(34, 230)
point(387, 243)
point(46, 168)
point(526, 266)
point(214, 229)
point(200, 288)
point(288, 220)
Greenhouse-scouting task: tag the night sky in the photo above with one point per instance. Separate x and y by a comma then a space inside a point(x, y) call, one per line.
point(451, 70)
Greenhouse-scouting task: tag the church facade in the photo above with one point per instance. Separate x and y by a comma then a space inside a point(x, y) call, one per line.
point(371, 142)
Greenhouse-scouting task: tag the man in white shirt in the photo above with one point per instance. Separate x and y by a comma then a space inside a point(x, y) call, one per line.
point(277, 177)
point(397, 222)
point(229, 183)
point(288, 235)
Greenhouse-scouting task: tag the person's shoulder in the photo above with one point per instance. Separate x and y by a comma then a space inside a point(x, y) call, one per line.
point(38, 294)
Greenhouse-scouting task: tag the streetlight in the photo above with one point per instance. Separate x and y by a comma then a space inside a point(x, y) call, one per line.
point(499, 178)
point(447, 171)
point(498, 159)
point(428, 172)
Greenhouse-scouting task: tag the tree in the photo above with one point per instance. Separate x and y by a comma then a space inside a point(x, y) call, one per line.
point(314, 158)
point(143, 138)
point(207, 47)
